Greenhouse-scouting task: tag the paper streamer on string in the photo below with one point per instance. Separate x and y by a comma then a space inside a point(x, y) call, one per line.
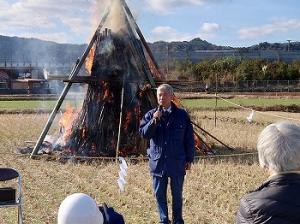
point(122, 174)
point(260, 112)
point(250, 117)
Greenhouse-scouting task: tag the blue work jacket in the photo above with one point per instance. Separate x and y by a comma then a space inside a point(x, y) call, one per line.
point(171, 142)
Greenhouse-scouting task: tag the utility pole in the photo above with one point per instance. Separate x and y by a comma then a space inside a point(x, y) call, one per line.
point(289, 43)
point(216, 95)
point(167, 60)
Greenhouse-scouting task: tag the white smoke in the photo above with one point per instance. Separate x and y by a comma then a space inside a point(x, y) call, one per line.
point(45, 73)
point(116, 18)
point(107, 46)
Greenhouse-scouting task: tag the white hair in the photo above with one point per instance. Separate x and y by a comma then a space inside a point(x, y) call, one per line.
point(166, 87)
point(278, 147)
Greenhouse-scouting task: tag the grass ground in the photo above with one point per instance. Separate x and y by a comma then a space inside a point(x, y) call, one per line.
point(18, 105)
point(212, 188)
point(190, 103)
point(210, 103)
point(26, 104)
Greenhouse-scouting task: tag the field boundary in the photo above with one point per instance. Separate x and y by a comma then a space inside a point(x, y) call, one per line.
point(247, 156)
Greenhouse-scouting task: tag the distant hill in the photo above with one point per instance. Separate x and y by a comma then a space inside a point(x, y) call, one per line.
point(31, 50)
point(193, 45)
point(180, 50)
point(35, 50)
point(294, 46)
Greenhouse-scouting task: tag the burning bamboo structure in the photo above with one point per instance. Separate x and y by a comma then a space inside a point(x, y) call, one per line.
point(115, 101)
point(120, 91)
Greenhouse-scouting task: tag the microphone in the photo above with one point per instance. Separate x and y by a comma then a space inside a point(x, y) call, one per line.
point(160, 108)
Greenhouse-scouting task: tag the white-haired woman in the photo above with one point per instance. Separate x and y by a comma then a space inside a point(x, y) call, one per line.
point(277, 201)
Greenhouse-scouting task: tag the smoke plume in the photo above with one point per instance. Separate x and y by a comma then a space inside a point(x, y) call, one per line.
point(116, 18)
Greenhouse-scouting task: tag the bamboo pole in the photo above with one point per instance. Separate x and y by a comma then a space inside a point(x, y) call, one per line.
point(67, 87)
point(120, 122)
point(138, 52)
point(208, 148)
point(142, 39)
point(206, 132)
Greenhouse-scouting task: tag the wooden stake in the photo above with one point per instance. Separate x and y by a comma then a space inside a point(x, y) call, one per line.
point(216, 95)
point(206, 132)
point(120, 122)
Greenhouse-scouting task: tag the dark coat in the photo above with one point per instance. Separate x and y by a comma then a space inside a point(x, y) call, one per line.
point(277, 201)
point(110, 216)
point(171, 142)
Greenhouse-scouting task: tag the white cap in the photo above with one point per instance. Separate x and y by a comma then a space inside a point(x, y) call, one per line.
point(79, 208)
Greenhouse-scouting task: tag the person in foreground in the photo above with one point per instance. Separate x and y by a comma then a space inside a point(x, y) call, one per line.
point(80, 208)
point(277, 201)
point(171, 151)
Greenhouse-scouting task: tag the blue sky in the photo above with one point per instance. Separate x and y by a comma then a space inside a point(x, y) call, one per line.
point(221, 22)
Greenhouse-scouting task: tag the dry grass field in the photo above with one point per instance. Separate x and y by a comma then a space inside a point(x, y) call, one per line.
point(212, 189)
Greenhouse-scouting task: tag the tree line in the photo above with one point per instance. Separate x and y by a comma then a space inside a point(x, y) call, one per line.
point(232, 69)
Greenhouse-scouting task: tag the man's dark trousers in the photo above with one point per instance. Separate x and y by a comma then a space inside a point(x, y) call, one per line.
point(160, 185)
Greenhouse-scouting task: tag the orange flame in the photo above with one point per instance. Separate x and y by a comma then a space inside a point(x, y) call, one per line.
point(107, 95)
point(84, 133)
point(138, 117)
point(176, 101)
point(90, 59)
point(154, 70)
point(128, 120)
point(66, 121)
point(198, 141)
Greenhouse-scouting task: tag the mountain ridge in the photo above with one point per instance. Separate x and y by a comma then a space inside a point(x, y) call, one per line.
point(31, 50)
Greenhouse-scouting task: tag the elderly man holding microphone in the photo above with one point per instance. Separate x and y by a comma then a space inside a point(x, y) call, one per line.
point(171, 151)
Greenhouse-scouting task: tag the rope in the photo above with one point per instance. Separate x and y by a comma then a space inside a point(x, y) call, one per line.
point(144, 158)
point(259, 112)
point(226, 156)
point(49, 156)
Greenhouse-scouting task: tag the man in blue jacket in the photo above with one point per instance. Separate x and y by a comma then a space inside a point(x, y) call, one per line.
point(171, 151)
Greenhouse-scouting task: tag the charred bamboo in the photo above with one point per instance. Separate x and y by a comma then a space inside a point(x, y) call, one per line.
point(141, 37)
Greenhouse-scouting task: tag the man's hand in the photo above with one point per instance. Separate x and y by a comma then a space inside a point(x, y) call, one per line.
point(188, 166)
point(157, 116)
